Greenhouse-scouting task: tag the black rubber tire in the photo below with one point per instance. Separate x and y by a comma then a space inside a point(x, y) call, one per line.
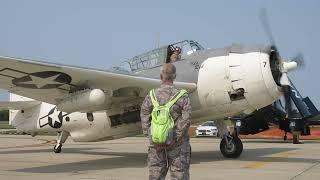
point(57, 148)
point(235, 151)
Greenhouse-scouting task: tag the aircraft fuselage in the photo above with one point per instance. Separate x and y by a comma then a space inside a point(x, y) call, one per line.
point(229, 81)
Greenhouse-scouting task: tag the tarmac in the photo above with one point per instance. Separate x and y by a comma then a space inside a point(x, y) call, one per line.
point(24, 157)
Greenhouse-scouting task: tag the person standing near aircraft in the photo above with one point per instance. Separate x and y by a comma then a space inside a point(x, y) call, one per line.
point(176, 55)
point(174, 153)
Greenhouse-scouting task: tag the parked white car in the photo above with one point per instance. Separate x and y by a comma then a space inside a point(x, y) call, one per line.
point(207, 128)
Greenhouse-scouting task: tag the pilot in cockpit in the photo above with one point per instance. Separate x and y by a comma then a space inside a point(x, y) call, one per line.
point(176, 55)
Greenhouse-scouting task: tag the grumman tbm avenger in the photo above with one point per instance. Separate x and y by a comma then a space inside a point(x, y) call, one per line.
point(96, 105)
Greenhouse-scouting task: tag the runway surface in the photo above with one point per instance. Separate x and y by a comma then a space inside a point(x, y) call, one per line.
point(24, 157)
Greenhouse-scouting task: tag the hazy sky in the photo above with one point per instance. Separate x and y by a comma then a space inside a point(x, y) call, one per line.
point(100, 33)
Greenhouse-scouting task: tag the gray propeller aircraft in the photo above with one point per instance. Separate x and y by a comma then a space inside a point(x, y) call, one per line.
point(97, 105)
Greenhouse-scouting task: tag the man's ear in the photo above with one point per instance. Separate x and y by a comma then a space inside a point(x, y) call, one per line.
point(161, 78)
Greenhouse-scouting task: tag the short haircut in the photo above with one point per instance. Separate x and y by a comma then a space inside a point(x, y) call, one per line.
point(168, 72)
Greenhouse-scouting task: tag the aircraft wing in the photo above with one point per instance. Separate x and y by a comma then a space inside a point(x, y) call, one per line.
point(48, 82)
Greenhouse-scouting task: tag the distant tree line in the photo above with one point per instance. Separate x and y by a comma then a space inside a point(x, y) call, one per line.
point(4, 115)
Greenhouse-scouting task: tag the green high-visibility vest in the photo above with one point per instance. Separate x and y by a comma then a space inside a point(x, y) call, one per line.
point(162, 121)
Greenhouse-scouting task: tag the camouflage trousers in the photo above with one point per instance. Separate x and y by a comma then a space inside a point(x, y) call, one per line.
point(177, 160)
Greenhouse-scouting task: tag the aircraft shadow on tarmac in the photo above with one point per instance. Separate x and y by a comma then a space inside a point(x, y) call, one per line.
point(138, 160)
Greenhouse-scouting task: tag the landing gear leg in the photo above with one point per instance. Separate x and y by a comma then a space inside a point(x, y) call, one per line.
point(285, 136)
point(61, 138)
point(296, 139)
point(230, 145)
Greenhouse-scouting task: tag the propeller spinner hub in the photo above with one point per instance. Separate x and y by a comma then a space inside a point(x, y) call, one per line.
point(289, 66)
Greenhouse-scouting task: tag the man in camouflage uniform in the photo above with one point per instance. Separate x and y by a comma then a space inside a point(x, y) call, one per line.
point(176, 155)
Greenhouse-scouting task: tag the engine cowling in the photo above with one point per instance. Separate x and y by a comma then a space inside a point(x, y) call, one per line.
point(237, 83)
point(82, 101)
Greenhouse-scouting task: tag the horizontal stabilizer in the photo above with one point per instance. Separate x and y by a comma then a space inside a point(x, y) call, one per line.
point(18, 105)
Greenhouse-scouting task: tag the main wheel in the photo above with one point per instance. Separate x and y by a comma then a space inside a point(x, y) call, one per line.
point(57, 148)
point(232, 150)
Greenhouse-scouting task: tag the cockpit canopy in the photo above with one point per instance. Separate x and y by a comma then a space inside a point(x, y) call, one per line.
point(159, 56)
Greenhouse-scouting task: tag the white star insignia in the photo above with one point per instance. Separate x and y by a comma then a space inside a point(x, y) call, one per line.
point(54, 120)
point(41, 82)
point(55, 117)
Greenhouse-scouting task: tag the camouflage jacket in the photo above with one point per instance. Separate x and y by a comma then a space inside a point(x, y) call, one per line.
point(180, 111)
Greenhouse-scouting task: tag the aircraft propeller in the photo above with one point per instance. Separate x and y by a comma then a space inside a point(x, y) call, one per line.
point(281, 67)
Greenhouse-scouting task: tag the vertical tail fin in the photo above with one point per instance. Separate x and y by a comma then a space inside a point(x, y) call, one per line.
point(23, 112)
point(14, 110)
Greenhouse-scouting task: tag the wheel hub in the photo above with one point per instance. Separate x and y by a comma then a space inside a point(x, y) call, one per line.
point(230, 147)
